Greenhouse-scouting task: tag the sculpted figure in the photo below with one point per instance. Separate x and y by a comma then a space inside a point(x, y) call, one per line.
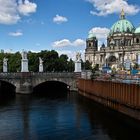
point(24, 54)
point(78, 56)
point(40, 61)
point(5, 61)
point(5, 64)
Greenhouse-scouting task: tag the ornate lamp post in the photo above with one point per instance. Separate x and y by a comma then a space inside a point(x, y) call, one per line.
point(94, 58)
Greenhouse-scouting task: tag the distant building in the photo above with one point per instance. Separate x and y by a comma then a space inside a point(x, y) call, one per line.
point(1, 51)
point(123, 45)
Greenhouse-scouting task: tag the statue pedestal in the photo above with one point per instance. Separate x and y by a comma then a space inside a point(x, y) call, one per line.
point(4, 68)
point(77, 66)
point(24, 65)
point(40, 68)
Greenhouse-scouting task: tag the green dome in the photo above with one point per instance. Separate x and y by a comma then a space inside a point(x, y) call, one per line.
point(91, 35)
point(122, 26)
point(137, 31)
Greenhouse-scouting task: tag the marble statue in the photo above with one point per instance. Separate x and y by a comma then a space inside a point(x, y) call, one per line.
point(40, 64)
point(24, 54)
point(5, 64)
point(40, 61)
point(78, 56)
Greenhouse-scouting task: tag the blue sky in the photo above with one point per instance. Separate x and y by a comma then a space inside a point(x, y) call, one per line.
point(62, 25)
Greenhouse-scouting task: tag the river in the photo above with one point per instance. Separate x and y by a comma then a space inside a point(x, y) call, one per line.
point(68, 118)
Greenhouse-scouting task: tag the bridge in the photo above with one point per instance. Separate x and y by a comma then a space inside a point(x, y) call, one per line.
point(25, 82)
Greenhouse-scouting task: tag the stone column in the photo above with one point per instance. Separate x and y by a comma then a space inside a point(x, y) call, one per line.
point(78, 63)
point(24, 62)
point(5, 65)
point(40, 65)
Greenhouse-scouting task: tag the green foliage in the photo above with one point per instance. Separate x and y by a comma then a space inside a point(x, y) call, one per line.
point(52, 62)
point(86, 65)
point(95, 72)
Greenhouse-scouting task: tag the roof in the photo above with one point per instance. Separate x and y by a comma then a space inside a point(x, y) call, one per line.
point(137, 31)
point(91, 35)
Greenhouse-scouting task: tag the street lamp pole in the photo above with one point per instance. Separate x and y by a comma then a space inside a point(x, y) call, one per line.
point(123, 52)
point(123, 57)
point(105, 58)
point(94, 58)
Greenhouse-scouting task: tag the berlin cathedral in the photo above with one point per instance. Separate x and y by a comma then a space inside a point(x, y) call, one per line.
point(123, 45)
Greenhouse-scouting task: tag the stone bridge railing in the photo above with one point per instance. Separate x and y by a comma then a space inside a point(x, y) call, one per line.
point(35, 74)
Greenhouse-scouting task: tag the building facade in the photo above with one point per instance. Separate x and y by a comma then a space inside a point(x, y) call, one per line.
point(123, 46)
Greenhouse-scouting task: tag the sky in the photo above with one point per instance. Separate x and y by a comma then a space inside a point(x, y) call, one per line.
point(61, 25)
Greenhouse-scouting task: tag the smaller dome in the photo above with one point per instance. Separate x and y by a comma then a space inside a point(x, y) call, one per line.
point(137, 31)
point(91, 35)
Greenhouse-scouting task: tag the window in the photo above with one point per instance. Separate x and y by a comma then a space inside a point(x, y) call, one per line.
point(89, 44)
point(137, 40)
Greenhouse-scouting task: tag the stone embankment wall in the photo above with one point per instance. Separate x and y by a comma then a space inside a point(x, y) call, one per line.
point(121, 97)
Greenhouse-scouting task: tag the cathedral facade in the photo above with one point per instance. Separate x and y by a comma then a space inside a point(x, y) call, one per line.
point(123, 46)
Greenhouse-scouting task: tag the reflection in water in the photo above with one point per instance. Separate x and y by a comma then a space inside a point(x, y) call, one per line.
point(24, 103)
point(69, 118)
point(105, 121)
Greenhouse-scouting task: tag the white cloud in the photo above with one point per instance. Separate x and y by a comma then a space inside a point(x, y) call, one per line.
point(101, 34)
point(68, 43)
point(79, 42)
point(25, 7)
point(59, 19)
point(71, 54)
point(11, 10)
point(106, 7)
point(61, 43)
point(8, 12)
point(16, 34)
point(65, 46)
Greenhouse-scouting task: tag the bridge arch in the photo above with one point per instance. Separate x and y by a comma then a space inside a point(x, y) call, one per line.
point(50, 88)
point(7, 88)
point(39, 81)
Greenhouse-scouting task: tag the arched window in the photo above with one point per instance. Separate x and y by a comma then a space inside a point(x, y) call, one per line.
point(112, 59)
point(137, 40)
point(89, 44)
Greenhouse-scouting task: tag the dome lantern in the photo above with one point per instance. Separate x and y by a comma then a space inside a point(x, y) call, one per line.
point(122, 16)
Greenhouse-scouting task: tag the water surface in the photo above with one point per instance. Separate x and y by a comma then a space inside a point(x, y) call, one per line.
point(68, 118)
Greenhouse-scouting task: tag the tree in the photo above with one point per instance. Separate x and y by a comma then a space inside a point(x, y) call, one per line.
point(86, 65)
point(52, 62)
